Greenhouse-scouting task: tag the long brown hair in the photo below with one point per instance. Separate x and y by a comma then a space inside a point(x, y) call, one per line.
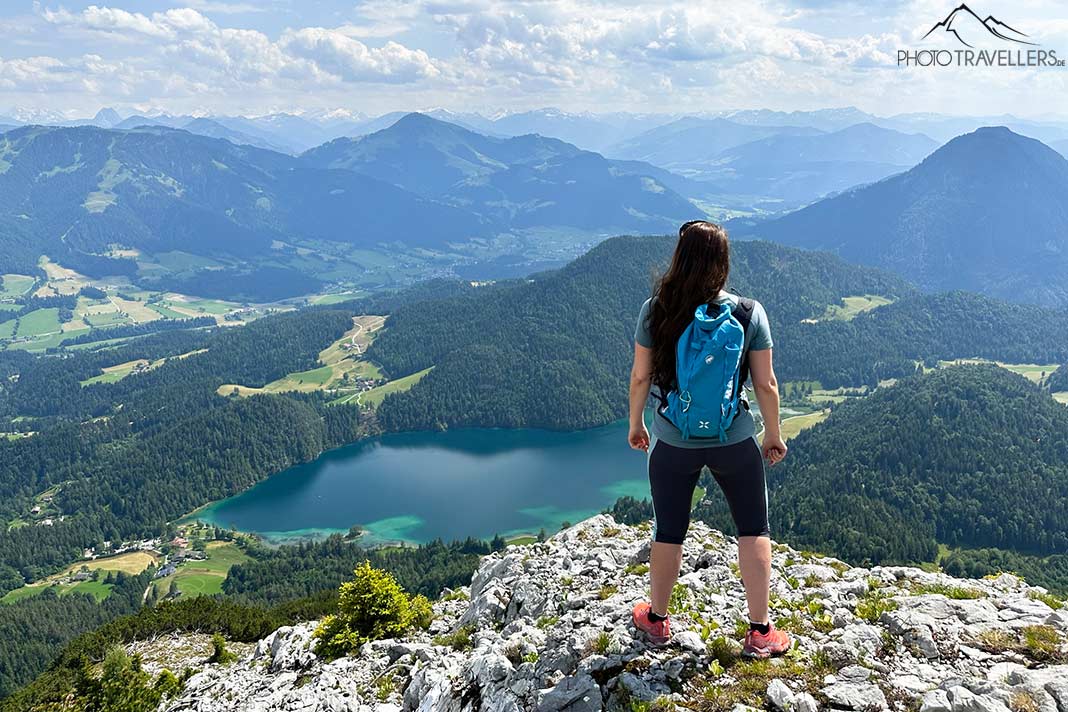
point(698, 272)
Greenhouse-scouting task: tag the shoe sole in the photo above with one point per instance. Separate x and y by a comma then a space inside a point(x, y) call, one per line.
point(764, 653)
point(649, 637)
point(655, 640)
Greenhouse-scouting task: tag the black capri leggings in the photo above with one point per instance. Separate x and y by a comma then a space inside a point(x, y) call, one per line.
point(739, 471)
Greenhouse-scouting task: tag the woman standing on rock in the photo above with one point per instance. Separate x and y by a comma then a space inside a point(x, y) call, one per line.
point(698, 344)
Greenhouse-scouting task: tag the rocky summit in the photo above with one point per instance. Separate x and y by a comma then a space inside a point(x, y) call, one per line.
point(547, 627)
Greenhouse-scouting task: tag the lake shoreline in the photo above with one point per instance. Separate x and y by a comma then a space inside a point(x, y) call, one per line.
point(417, 474)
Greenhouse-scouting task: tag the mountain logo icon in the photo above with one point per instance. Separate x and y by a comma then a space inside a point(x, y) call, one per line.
point(962, 21)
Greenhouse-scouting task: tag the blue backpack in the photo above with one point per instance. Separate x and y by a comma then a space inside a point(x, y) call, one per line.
point(711, 369)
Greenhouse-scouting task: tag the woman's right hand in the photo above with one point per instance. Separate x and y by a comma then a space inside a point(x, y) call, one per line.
point(774, 449)
point(638, 437)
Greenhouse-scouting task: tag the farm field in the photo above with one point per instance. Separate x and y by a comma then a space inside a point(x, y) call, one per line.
point(792, 426)
point(15, 285)
point(375, 396)
point(124, 304)
point(60, 280)
point(324, 299)
point(46, 342)
point(119, 371)
point(341, 364)
point(1035, 372)
point(133, 562)
point(167, 312)
point(39, 322)
point(851, 306)
point(205, 578)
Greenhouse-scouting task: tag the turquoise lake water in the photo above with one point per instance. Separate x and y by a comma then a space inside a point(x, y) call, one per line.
point(415, 487)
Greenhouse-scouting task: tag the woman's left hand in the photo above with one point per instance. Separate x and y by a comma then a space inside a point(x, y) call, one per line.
point(638, 437)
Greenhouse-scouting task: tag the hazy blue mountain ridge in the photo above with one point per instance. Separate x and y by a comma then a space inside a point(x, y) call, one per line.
point(526, 181)
point(987, 212)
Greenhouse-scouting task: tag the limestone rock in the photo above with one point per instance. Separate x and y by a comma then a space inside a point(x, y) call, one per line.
point(550, 630)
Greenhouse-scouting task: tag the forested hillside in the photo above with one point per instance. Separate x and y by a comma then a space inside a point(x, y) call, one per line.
point(1058, 380)
point(279, 574)
point(32, 631)
point(967, 456)
point(555, 351)
point(888, 341)
point(130, 455)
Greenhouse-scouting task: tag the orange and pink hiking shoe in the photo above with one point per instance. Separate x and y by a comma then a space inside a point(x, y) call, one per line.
point(759, 645)
point(658, 633)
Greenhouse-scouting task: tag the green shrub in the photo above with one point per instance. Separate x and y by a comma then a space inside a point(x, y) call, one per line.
point(873, 605)
point(680, 595)
point(370, 607)
point(219, 653)
point(123, 686)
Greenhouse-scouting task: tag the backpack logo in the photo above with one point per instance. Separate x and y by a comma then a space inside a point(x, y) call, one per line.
point(710, 358)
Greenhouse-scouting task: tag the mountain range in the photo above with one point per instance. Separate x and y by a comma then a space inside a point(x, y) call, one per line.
point(156, 189)
point(987, 212)
point(944, 223)
point(798, 169)
point(775, 167)
point(524, 181)
point(419, 183)
point(297, 132)
point(690, 145)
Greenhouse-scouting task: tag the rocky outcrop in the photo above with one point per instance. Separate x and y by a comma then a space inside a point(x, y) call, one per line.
point(547, 627)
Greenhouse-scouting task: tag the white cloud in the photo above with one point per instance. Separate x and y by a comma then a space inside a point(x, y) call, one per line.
point(351, 60)
point(578, 54)
point(227, 8)
point(239, 56)
point(110, 21)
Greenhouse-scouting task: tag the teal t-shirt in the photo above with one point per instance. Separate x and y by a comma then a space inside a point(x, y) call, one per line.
point(757, 338)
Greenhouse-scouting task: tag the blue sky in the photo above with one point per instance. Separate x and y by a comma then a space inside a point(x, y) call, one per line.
point(259, 56)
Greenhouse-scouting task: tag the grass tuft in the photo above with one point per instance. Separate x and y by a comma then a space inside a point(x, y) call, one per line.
point(459, 639)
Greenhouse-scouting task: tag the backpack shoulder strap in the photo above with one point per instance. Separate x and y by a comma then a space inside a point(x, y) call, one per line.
point(743, 312)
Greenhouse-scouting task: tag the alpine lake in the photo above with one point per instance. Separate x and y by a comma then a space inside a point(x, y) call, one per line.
point(412, 488)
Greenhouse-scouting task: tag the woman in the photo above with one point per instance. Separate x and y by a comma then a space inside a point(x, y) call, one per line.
point(697, 276)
